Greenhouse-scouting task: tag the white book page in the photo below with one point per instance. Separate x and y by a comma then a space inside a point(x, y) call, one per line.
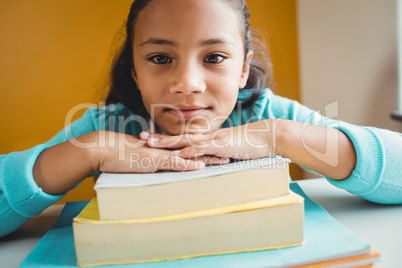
point(107, 180)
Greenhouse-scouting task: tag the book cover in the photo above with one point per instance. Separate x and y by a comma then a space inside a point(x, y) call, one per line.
point(324, 239)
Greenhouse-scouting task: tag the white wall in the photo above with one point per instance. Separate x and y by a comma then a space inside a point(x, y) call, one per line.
point(347, 51)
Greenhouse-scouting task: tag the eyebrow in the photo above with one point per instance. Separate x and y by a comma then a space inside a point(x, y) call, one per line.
point(216, 41)
point(159, 41)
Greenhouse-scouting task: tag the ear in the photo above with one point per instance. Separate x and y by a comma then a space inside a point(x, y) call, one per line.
point(134, 75)
point(246, 69)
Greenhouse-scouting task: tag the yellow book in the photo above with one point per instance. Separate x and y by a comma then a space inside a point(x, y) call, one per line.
point(250, 226)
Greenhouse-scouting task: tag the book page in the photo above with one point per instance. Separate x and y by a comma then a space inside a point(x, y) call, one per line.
point(107, 180)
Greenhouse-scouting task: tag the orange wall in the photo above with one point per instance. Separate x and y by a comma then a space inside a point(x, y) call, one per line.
point(277, 19)
point(55, 55)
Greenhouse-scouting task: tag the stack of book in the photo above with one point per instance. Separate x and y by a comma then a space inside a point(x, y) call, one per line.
point(240, 207)
point(326, 243)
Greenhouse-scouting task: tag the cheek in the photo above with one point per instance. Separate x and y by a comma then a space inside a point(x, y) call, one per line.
point(228, 84)
point(226, 97)
point(150, 88)
point(145, 78)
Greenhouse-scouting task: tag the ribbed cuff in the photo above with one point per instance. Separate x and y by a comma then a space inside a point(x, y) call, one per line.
point(19, 186)
point(367, 174)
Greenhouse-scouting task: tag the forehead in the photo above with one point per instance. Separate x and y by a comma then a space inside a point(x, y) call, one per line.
point(188, 20)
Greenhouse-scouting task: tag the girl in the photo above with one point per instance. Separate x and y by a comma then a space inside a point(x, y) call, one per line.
point(188, 72)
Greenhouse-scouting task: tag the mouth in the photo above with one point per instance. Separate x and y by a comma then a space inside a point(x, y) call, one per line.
point(186, 111)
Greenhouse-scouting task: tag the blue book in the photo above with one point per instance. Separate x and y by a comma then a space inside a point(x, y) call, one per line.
point(324, 239)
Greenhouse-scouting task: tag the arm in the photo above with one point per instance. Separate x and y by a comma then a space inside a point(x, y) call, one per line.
point(378, 174)
point(34, 179)
point(324, 150)
point(362, 160)
point(20, 196)
point(321, 149)
point(375, 171)
point(61, 167)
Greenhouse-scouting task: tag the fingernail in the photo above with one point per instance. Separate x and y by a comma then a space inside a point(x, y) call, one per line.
point(144, 135)
point(199, 164)
point(153, 140)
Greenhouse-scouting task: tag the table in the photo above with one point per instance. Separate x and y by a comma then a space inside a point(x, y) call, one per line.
point(379, 225)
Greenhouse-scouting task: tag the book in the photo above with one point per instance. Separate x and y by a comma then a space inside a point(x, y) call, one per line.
point(256, 225)
point(325, 241)
point(165, 193)
point(359, 261)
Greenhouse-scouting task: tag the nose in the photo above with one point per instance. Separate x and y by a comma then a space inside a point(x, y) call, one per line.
point(187, 79)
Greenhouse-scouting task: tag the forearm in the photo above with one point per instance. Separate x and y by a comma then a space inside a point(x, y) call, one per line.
point(61, 167)
point(321, 149)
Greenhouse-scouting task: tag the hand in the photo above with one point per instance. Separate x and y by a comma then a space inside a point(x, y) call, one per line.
point(125, 153)
point(254, 140)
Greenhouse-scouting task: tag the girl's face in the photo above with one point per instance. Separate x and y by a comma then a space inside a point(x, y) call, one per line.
point(189, 63)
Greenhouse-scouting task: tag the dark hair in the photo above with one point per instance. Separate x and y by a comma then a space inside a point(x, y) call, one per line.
point(123, 88)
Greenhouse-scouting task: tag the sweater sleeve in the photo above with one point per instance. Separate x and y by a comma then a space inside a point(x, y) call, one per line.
point(378, 175)
point(20, 196)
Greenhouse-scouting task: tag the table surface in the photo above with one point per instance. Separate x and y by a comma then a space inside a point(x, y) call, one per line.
point(379, 225)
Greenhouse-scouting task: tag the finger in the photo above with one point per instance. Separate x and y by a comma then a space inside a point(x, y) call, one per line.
point(174, 142)
point(144, 135)
point(160, 141)
point(152, 139)
point(176, 163)
point(211, 160)
point(203, 149)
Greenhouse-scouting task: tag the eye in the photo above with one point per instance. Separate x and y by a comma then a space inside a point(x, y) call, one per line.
point(160, 59)
point(214, 58)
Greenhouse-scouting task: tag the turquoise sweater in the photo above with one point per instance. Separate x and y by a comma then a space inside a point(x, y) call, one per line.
point(377, 176)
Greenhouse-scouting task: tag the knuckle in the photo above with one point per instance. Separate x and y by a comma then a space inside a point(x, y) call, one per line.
point(174, 162)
